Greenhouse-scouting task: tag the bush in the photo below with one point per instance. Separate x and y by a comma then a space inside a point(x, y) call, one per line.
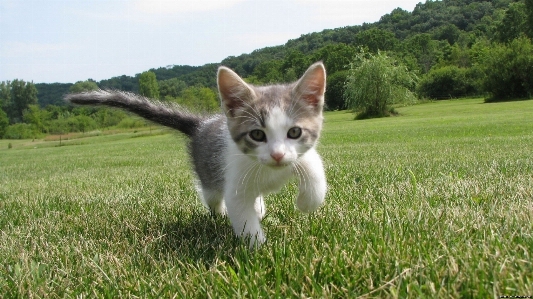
point(509, 70)
point(22, 131)
point(78, 123)
point(448, 82)
point(130, 123)
point(375, 83)
point(108, 117)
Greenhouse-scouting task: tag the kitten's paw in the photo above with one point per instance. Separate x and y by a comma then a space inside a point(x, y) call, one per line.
point(259, 207)
point(219, 209)
point(257, 240)
point(254, 235)
point(308, 204)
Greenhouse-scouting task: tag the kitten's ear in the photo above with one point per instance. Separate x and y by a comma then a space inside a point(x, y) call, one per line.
point(234, 92)
point(312, 86)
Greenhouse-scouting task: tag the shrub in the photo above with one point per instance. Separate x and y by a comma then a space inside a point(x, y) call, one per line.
point(78, 123)
point(448, 82)
point(509, 70)
point(22, 131)
point(375, 83)
point(108, 117)
point(130, 123)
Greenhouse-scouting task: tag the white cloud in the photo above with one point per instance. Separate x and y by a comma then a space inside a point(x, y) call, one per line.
point(182, 6)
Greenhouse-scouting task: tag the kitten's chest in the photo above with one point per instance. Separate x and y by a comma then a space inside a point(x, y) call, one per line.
point(250, 176)
point(272, 179)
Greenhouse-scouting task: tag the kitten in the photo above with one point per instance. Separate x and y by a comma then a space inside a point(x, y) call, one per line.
point(266, 135)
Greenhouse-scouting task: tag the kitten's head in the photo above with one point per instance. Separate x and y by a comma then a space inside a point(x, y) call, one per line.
point(274, 124)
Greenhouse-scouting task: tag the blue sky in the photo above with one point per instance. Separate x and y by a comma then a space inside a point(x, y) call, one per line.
point(47, 41)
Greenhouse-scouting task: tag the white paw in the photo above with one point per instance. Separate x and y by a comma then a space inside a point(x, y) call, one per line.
point(259, 207)
point(253, 233)
point(307, 205)
point(257, 240)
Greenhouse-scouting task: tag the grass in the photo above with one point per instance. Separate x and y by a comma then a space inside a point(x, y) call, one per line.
point(437, 202)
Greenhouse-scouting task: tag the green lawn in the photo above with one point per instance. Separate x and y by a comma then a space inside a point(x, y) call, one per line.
point(437, 202)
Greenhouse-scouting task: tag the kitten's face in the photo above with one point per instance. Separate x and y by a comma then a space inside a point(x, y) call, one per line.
point(275, 131)
point(274, 124)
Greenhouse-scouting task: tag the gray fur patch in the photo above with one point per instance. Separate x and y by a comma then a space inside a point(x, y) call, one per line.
point(207, 149)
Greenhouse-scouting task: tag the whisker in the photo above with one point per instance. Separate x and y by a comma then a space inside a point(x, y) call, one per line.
point(304, 176)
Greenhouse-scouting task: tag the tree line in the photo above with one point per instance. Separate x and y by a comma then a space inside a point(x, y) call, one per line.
point(449, 49)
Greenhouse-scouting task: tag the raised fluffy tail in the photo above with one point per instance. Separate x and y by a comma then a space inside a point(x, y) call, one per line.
point(165, 114)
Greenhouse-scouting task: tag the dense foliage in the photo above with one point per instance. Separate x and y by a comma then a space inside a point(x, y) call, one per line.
point(148, 86)
point(375, 82)
point(509, 70)
point(15, 97)
point(448, 82)
point(456, 47)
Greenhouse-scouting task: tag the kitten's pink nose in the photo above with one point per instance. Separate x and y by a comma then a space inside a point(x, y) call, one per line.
point(277, 156)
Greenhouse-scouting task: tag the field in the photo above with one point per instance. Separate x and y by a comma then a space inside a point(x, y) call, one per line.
point(437, 202)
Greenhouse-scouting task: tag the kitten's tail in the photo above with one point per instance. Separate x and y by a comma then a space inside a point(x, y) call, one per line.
point(165, 114)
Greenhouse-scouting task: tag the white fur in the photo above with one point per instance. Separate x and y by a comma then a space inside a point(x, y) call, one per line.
point(250, 177)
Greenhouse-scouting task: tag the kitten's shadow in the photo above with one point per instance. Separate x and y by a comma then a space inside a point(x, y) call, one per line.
point(197, 236)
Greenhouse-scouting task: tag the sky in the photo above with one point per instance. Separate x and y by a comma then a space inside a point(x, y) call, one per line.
point(66, 41)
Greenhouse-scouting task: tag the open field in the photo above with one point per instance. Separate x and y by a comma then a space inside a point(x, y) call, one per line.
point(437, 202)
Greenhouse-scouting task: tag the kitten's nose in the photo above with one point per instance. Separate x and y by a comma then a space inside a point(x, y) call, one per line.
point(277, 156)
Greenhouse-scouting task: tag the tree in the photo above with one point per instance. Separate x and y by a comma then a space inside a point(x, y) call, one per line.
point(199, 98)
point(514, 23)
point(294, 65)
point(449, 32)
point(375, 83)
point(52, 93)
point(148, 86)
point(529, 17)
point(509, 70)
point(425, 49)
point(5, 95)
point(336, 57)
point(82, 86)
point(269, 71)
point(171, 88)
point(7, 100)
point(4, 122)
point(335, 90)
point(37, 117)
point(18, 95)
point(377, 40)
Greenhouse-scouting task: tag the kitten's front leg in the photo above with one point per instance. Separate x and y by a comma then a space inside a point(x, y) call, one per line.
point(310, 172)
point(243, 214)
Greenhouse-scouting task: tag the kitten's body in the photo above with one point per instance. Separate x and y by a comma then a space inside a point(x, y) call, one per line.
point(266, 136)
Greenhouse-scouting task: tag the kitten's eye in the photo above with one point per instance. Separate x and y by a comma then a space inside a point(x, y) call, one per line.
point(258, 135)
point(294, 133)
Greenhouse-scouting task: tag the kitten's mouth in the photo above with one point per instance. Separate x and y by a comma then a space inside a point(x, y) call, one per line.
point(278, 165)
